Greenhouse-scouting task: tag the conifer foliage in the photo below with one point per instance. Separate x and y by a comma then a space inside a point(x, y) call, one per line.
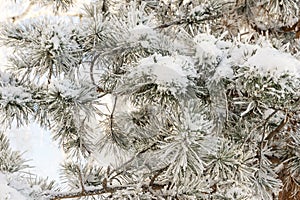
point(188, 99)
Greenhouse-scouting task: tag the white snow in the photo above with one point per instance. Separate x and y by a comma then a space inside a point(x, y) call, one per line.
point(66, 88)
point(237, 53)
point(43, 154)
point(269, 60)
point(14, 94)
point(263, 59)
point(11, 8)
point(206, 49)
point(4, 78)
point(198, 9)
point(224, 70)
point(7, 192)
point(170, 71)
point(56, 42)
point(144, 34)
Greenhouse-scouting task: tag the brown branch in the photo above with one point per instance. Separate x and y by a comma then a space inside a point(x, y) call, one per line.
point(158, 172)
point(81, 180)
point(295, 28)
point(104, 8)
point(88, 192)
point(264, 132)
point(264, 127)
point(176, 22)
point(76, 194)
point(26, 11)
point(105, 189)
point(99, 89)
point(278, 128)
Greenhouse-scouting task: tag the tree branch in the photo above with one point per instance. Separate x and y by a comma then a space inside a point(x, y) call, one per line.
point(187, 20)
point(279, 127)
point(75, 194)
point(99, 89)
point(283, 29)
point(50, 74)
point(158, 172)
point(23, 14)
point(81, 180)
point(264, 132)
point(130, 160)
point(112, 116)
point(264, 127)
point(88, 192)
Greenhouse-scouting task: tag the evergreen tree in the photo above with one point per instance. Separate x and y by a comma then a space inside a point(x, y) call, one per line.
point(189, 99)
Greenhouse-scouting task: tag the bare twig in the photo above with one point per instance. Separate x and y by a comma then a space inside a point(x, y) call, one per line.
point(264, 125)
point(123, 166)
point(158, 172)
point(76, 194)
point(261, 146)
point(283, 29)
point(92, 69)
point(104, 8)
point(88, 192)
point(50, 74)
point(99, 89)
point(278, 128)
point(81, 180)
point(105, 187)
point(112, 115)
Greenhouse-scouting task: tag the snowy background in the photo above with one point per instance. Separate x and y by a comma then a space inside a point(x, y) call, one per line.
point(43, 153)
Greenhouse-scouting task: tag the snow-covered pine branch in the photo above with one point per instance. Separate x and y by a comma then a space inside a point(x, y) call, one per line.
point(186, 99)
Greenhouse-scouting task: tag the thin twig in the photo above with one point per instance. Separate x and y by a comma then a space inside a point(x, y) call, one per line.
point(112, 115)
point(77, 194)
point(50, 74)
point(278, 128)
point(88, 192)
point(23, 14)
point(104, 8)
point(158, 172)
point(92, 69)
point(99, 89)
point(81, 180)
point(130, 160)
point(264, 132)
point(265, 123)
